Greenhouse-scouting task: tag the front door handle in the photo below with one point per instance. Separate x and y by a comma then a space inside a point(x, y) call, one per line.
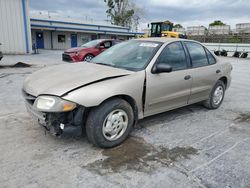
point(218, 71)
point(188, 77)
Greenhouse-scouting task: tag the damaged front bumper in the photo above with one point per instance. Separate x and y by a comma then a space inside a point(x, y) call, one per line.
point(58, 123)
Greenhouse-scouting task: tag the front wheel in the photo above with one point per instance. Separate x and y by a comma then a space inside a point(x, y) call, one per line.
point(109, 124)
point(88, 57)
point(216, 96)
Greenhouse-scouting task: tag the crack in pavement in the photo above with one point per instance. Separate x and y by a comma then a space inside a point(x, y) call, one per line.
point(218, 156)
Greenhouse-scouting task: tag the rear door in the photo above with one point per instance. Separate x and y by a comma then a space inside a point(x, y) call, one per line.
point(167, 91)
point(205, 71)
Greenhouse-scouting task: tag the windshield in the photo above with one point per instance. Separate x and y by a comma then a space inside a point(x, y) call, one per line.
point(91, 44)
point(131, 55)
point(166, 27)
point(156, 28)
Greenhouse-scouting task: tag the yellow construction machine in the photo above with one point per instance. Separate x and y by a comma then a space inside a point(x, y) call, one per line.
point(164, 29)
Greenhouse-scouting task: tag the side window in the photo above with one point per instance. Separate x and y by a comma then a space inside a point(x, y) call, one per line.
point(174, 55)
point(107, 44)
point(211, 59)
point(197, 53)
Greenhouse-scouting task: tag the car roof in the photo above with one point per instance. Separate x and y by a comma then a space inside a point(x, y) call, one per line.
point(163, 39)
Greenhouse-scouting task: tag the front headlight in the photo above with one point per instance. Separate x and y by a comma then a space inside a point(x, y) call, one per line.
point(53, 104)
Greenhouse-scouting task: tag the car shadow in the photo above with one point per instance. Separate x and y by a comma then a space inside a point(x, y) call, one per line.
point(144, 123)
point(170, 115)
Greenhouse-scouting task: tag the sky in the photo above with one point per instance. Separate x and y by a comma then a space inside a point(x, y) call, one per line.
point(185, 12)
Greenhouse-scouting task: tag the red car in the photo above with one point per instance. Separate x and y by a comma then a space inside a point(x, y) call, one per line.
point(89, 50)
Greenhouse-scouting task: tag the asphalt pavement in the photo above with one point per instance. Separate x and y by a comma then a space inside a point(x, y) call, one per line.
point(187, 147)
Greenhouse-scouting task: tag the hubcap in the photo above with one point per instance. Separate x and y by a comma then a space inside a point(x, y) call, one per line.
point(115, 124)
point(218, 95)
point(88, 58)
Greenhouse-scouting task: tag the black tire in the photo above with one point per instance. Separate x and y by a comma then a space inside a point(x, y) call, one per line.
point(88, 57)
point(209, 103)
point(97, 116)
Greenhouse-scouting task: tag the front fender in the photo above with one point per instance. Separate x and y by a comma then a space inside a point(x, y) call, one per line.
point(94, 94)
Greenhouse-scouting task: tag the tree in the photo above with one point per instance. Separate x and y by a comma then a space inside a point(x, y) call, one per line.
point(178, 26)
point(123, 12)
point(216, 22)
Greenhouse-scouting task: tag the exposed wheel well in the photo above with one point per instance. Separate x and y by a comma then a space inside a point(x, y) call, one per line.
point(224, 80)
point(130, 100)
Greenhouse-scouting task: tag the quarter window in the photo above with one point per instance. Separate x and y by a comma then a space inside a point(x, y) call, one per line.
point(210, 57)
point(197, 54)
point(174, 55)
point(106, 44)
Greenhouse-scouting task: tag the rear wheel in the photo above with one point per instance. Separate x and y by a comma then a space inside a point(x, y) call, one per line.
point(109, 124)
point(216, 96)
point(88, 57)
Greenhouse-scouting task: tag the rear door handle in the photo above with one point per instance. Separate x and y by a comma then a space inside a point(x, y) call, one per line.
point(218, 71)
point(188, 77)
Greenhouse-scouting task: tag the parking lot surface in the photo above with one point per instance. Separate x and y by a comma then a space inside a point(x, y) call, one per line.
point(187, 147)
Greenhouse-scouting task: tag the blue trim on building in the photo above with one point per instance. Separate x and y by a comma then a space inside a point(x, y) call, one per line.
point(25, 26)
point(74, 23)
point(82, 29)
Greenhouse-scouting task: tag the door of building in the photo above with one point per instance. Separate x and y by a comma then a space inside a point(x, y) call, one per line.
point(73, 40)
point(39, 40)
point(94, 37)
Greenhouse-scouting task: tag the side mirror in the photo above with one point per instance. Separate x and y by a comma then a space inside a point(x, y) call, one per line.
point(160, 68)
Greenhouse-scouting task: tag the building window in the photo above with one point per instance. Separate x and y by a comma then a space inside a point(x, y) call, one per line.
point(61, 38)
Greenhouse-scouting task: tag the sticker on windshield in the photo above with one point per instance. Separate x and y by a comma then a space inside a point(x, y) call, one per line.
point(151, 45)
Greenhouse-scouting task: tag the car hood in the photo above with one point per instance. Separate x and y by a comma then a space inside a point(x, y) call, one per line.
point(61, 79)
point(76, 49)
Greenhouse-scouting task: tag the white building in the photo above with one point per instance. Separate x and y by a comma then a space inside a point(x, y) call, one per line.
point(219, 29)
point(196, 30)
point(67, 33)
point(243, 28)
point(15, 33)
point(19, 33)
point(179, 30)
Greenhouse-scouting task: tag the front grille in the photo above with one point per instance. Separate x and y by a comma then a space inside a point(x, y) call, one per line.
point(29, 98)
point(66, 57)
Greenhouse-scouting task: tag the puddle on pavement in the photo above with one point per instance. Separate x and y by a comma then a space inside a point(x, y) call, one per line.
point(136, 154)
point(243, 118)
point(17, 65)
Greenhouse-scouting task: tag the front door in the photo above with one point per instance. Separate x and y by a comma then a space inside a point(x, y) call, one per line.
point(166, 91)
point(39, 40)
point(73, 40)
